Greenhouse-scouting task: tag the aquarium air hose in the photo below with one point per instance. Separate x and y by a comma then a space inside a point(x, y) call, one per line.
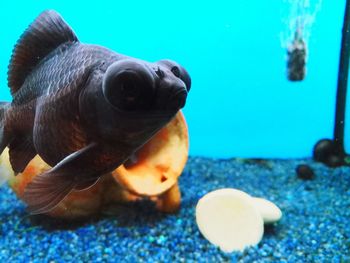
point(342, 82)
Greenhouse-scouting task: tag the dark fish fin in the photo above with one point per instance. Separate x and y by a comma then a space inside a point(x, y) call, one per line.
point(47, 190)
point(21, 152)
point(86, 185)
point(46, 33)
point(4, 135)
point(76, 171)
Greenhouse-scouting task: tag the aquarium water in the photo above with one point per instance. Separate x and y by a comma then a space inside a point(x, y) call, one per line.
point(264, 79)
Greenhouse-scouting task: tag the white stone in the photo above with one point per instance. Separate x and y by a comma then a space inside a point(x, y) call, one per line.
point(229, 219)
point(6, 171)
point(4, 175)
point(268, 210)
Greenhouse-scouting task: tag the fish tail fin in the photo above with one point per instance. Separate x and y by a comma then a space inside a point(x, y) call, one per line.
point(4, 136)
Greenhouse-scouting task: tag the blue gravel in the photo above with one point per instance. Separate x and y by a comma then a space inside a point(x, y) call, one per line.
point(314, 228)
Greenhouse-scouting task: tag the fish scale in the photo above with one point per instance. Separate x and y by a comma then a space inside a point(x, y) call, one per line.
point(56, 145)
point(58, 141)
point(75, 58)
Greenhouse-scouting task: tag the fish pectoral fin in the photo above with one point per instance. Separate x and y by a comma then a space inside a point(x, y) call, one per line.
point(86, 185)
point(21, 151)
point(47, 190)
point(78, 171)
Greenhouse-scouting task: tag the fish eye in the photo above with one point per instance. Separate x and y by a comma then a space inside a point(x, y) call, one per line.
point(129, 89)
point(129, 86)
point(176, 71)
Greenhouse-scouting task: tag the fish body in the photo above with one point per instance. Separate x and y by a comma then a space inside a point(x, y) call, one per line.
point(83, 108)
point(47, 104)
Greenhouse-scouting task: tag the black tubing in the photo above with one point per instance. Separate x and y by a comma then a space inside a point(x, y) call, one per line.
point(342, 83)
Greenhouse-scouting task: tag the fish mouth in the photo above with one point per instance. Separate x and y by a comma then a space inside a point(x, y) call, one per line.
point(177, 99)
point(175, 103)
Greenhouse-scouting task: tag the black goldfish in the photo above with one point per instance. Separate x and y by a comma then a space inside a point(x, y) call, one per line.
point(83, 109)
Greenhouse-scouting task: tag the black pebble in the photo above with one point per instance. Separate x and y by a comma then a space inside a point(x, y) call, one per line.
point(334, 161)
point(323, 149)
point(305, 172)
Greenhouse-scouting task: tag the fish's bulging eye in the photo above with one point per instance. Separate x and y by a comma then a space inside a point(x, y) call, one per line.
point(133, 92)
point(129, 90)
point(129, 85)
point(176, 71)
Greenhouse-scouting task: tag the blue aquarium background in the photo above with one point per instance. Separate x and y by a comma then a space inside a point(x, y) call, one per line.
point(241, 103)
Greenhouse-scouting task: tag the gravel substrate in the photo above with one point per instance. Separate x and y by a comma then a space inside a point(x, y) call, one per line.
point(315, 226)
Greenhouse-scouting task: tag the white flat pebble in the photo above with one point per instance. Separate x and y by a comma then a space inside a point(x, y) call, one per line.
point(228, 218)
point(268, 210)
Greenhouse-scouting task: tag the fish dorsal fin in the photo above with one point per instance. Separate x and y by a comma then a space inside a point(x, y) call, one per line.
point(46, 33)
